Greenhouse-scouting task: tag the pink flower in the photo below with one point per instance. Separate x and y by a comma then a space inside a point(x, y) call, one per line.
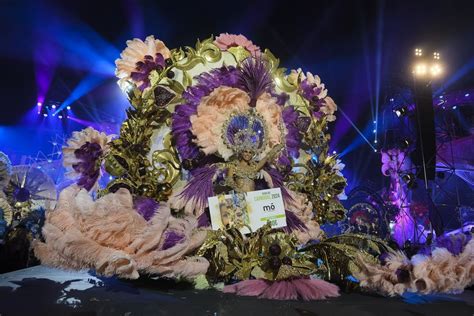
point(226, 41)
point(139, 59)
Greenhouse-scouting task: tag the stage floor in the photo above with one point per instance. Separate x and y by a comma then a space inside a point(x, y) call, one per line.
point(45, 291)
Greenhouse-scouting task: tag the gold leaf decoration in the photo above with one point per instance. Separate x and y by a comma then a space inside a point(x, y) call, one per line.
point(341, 254)
point(234, 257)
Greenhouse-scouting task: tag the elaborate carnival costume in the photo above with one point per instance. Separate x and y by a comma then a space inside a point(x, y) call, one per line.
point(221, 117)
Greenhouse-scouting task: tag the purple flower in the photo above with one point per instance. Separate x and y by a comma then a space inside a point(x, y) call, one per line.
point(88, 167)
point(453, 243)
point(145, 67)
point(83, 156)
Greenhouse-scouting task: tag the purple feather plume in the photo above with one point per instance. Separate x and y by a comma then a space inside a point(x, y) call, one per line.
point(255, 79)
point(293, 138)
point(171, 239)
point(200, 186)
point(146, 207)
point(203, 220)
point(277, 179)
point(293, 222)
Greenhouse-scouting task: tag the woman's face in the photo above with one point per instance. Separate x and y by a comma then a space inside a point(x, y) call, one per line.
point(225, 215)
point(247, 155)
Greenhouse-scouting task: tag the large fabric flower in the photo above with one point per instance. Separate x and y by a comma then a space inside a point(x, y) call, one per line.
point(206, 83)
point(225, 41)
point(441, 272)
point(215, 109)
point(82, 156)
point(108, 235)
point(139, 59)
point(212, 113)
point(315, 92)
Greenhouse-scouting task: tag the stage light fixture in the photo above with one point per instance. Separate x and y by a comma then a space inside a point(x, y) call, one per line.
point(60, 117)
point(375, 141)
point(374, 131)
point(420, 69)
point(436, 55)
point(466, 95)
point(418, 52)
point(401, 111)
point(39, 104)
point(436, 70)
point(68, 108)
point(405, 144)
point(53, 106)
point(45, 114)
point(375, 150)
point(410, 180)
point(455, 107)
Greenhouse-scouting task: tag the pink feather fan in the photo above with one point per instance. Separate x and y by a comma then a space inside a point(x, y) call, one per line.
point(305, 288)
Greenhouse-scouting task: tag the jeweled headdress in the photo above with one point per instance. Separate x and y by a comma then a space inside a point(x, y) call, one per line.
point(245, 131)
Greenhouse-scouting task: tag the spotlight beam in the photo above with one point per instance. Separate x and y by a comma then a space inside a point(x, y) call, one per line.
point(378, 61)
point(85, 86)
point(357, 129)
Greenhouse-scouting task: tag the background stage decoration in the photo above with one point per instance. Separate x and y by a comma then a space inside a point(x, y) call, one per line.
point(25, 194)
point(222, 118)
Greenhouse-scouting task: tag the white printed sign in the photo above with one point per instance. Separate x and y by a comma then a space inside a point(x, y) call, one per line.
point(248, 211)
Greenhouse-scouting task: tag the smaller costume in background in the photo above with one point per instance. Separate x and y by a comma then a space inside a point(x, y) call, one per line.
point(25, 193)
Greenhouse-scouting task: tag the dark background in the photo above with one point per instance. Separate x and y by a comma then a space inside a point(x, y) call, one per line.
point(361, 49)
